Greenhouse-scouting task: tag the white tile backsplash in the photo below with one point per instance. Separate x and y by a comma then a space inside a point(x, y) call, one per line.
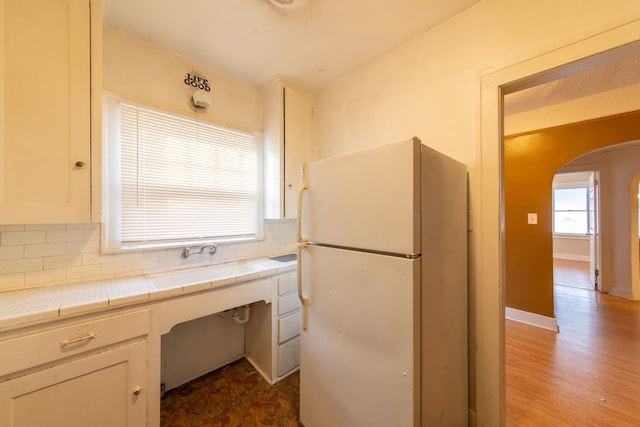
point(47, 249)
point(54, 236)
point(10, 238)
point(51, 254)
point(11, 252)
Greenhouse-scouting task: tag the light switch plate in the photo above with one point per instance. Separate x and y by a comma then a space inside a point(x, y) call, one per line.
point(532, 218)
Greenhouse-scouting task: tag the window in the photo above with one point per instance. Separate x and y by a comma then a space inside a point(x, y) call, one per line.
point(173, 180)
point(571, 213)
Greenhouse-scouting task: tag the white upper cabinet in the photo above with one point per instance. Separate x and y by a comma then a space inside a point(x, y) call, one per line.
point(45, 130)
point(288, 112)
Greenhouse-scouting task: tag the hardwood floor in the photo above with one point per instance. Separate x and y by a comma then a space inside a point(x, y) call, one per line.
point(588, 374)
point(574, 274)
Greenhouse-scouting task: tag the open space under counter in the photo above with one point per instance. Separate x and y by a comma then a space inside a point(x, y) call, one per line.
point(67, 338)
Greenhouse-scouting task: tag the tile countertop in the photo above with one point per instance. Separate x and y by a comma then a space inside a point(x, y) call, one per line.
point(44, 304)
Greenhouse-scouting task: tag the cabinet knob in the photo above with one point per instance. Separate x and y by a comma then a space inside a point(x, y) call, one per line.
point(79, 165)
point(137, 391)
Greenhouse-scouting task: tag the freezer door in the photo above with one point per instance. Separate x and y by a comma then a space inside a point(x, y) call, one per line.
point(368, 199)
point(359, 351)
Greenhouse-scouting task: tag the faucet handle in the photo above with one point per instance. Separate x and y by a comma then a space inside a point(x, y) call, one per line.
point(209, 248)
point(186, 252)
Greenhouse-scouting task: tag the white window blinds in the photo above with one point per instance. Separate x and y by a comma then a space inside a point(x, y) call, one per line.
point(185, 180)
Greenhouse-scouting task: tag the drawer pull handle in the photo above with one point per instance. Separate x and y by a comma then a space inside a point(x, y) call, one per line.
point(89, 336)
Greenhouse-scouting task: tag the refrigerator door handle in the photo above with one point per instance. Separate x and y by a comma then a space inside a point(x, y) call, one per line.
point(303, 187)
point(303, 300)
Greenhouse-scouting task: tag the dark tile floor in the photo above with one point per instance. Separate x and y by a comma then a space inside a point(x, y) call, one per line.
point(235, 395)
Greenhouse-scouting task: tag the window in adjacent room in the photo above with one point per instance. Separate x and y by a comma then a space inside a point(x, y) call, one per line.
point(570, 210)
point(172, 180)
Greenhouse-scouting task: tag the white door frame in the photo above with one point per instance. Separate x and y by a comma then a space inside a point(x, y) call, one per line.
point(594, 238)
point(488, 265)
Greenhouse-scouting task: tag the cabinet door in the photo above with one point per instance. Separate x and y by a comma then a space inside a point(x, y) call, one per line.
point(97, 390)
point(44, 111)
point(287, 134)
point(297, 136)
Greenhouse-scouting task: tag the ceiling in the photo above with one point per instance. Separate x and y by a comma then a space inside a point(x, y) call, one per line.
point(313, 42)
point(603, 78)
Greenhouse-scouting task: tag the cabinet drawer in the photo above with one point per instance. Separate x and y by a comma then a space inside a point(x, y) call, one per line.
point(288, 282)
point(54, 344)
point(288, 327)
point(288, 356)
point(288, 303)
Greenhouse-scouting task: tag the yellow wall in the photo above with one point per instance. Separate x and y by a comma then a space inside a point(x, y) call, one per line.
point(531, 161)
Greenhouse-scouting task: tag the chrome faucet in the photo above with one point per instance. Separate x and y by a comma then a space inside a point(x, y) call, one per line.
point(209, 248)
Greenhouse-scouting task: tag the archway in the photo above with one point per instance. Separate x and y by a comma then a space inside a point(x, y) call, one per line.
point(530, 162)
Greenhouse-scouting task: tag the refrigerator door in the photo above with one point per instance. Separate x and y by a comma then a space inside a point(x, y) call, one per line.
point(359, 361)
point(368, 200)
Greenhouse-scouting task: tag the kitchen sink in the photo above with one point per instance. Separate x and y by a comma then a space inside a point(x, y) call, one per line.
point(285, 258)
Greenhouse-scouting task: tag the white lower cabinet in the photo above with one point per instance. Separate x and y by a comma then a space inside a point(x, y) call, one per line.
point(272, 333)
point(75, 383)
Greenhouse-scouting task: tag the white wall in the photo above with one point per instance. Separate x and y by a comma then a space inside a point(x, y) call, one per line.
point(431, 88)
point(144, 73)
point(569, 247)
point(625, 165)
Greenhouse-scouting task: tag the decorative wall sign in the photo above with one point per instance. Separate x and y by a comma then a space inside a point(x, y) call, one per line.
point(197, 82)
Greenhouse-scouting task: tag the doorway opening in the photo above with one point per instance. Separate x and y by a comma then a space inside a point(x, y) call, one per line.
point(574, 212)
point(576, 256)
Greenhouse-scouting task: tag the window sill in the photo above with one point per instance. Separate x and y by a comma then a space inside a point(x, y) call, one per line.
point(183, 244)
point(572, 236)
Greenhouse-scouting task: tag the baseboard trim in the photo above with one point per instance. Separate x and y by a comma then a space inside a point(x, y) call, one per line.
point(624, 293)
point(533, 319)
point(572, 257)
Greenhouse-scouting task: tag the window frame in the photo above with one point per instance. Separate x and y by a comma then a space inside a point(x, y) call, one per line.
point(111, 185)
point(586, 211)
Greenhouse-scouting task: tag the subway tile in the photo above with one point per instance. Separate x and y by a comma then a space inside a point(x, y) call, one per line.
point(45, 277)
point(36, 227)
point(62, 261)
point(11, 252)
point(20, 265)
point(12, 227)
point(11, 281)
point(81, 226)
point(84, 272)
point(9, 238)
point(128, 274)
point(100, 278)
point(46, 249)
point(116, 267)
point(60, 236)
point(57, 254)
point(92, 234)
point(85, 247)
point(144, 264)
point(128, 256)
point(97, 258)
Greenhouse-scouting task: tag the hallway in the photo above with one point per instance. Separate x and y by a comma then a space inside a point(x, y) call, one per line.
point(588, 374)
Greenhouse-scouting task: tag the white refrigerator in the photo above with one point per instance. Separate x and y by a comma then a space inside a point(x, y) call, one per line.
point(383, 285)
